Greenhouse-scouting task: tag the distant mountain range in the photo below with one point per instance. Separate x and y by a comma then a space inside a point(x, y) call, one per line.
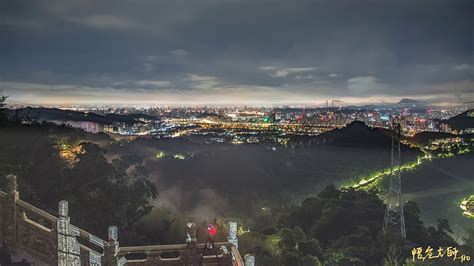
point(403, 103)
point(406, 101)
point(49, 114)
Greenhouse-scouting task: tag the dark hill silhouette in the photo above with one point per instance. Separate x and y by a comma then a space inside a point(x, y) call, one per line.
point(461, 121)
point(425, 137)
point(408, 101)
point(69, 115)
point(355, 134)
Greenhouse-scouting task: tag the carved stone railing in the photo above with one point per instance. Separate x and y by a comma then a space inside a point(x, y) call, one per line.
point(179, 254)
point(55, 241)
point(191, 253)
point(49, 239)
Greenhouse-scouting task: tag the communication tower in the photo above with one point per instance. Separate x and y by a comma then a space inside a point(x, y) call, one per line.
point(394, 220)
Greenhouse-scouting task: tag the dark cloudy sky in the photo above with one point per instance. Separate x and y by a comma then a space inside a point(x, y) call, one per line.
point(236, 52)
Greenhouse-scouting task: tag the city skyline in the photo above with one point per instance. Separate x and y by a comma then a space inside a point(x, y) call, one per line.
point(236, 52)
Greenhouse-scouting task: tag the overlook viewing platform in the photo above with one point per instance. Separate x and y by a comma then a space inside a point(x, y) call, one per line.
point(31, 236)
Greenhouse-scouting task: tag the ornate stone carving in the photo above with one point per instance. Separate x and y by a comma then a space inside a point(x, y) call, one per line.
point(11, 184)
point(63, 208)
point(122, 261)
point(232, 238)
point(39, 242)
point(113, 239)
point(113, 233)
point(225, 250)
point(68, 247)
point(249, 260)
point(190, 233)
point(112, 246)
point(94, 258)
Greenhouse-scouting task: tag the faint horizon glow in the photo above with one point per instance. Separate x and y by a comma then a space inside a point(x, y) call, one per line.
point(210, 100)
point(66, 95)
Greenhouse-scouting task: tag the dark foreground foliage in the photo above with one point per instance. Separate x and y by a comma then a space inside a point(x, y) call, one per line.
point(112, 191)
point(344, 227)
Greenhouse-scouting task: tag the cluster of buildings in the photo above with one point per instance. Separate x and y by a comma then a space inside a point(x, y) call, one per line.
point(254, 124)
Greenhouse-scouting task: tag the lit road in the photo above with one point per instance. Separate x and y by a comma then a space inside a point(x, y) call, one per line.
point(467, 205)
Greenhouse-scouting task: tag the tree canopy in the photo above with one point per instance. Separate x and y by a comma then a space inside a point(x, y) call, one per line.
point(343, 227)
point(112, 191)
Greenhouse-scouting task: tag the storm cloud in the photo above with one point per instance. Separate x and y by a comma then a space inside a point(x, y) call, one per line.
point(236, 52)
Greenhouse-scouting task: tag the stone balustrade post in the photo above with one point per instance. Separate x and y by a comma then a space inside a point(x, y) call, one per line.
point(191, 233)
point(112, 247)
point(232, 238)
point(249, 260)
point(113, 237)
point(68, 247)
point(10, 212)
point(191, 242)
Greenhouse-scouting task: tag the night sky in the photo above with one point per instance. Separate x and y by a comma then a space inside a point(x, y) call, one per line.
point(267, 52)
